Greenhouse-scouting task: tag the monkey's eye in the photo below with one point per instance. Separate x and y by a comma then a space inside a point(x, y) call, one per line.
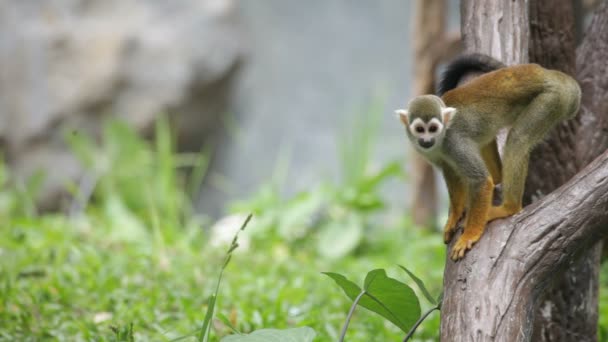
point(419, 129)
point(433, 128)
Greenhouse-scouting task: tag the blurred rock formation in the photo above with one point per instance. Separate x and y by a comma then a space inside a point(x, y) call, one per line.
point(67, 65)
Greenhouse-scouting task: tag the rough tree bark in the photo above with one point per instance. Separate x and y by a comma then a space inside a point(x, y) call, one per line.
point(490, 294)
point(431, 45)
point(494, 292)
point(568, 309)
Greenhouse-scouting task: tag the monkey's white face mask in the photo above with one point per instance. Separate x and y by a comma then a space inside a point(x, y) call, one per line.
point(426, 135)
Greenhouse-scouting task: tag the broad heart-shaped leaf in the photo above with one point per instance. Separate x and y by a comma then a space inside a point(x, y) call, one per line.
point(385, 296)
point(395, 297)
point(304, 334)
point(421, 286)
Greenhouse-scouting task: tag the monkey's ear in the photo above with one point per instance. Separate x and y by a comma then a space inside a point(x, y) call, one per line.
point(447, 113)
point(402, 115)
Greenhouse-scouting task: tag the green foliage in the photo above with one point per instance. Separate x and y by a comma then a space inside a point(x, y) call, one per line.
point(358, 139)
point(389, 298)
point(17, 195)
point(422, 287)
point(204, 333)
point(385, 296)
point(337, 215)
point(133, 262)
point(603, 319)
point(132, 174)
point(304, 334)
point(124, 333)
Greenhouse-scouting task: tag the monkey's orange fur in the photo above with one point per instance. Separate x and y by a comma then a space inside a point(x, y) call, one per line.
point(458, 190)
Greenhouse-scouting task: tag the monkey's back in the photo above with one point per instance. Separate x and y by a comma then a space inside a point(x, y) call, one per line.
point(495, 97)
point(518, 83)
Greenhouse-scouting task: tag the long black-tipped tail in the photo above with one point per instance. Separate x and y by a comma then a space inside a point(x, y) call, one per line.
point(465, 64)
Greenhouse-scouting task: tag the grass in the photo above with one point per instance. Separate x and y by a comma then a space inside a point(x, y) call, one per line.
point(134, 262)
point(84, 279)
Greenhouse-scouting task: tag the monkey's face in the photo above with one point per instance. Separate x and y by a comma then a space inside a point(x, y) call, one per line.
point(426, 120)
point(426, 135)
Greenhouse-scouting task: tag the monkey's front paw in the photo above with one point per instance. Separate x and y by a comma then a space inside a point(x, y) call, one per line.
point(464, 243)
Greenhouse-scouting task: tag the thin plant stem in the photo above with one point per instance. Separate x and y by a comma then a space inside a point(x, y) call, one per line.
point(204, 333)
point(422, 318)
point(350, 315)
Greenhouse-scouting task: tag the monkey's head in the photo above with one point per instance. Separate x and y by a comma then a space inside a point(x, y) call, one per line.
point(426, 119)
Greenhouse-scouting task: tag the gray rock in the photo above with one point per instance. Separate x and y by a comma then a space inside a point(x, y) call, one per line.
point(68, 65)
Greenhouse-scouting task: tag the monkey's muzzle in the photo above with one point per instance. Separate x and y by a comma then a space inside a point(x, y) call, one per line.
point(424, 143)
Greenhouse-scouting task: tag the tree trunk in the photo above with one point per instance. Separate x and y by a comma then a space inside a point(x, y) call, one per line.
point(568, 310)
point(431, 45)
point(494, 292)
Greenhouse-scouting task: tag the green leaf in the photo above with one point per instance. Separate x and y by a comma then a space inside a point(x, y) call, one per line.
point(392, 169)
point(304, 334)
point(298, 214)
point(351, 289)
point(399, 302)
point(208, 316)
point(131, 228)
point(421, 286)
point(385, 296)
point(339, 238)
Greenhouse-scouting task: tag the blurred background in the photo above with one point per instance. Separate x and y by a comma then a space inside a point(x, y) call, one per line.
point(137, 135)
point(248, 82)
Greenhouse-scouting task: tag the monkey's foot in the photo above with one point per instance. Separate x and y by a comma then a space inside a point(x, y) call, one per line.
point(449, 230)
point(502, 211)
point(450, 227)
point(464, 243)
point(448, 234)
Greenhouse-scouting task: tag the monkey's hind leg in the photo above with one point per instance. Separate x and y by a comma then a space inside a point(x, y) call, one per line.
point(457, 192)
point(541, 115)
point(491, 157)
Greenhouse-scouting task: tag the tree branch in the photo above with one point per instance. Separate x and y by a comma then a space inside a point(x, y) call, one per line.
point(495, 283)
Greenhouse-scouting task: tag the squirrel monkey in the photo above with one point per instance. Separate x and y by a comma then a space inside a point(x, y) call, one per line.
point(457, 133)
